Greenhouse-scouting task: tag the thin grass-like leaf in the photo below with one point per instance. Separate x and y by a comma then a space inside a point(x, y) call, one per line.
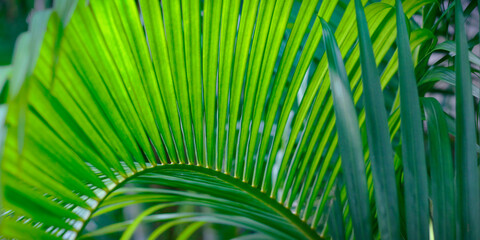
point(415, 170)
point(441, 169)
point(466, 165)
point(381, 153)
point(335, 217)
point(350, 141)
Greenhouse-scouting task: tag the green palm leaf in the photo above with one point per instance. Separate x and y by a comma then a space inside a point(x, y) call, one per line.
point(415, 170)
point(200, 114)
point(443, 194)
point(351, 146)
point(468, 187)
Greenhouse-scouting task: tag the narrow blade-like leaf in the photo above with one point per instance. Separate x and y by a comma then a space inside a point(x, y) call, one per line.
point(336, 226)
point(465, 155)
point(415, 170)
point(350, 140)
point(381, 153)
point(441, 170)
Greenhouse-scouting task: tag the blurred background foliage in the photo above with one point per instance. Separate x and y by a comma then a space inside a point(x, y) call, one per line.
point(13, 21)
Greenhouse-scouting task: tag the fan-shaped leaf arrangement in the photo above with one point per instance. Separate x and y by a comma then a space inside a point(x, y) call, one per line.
point(226, 105)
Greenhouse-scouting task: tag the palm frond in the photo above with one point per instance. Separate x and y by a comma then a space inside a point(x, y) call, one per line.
point(237, 113)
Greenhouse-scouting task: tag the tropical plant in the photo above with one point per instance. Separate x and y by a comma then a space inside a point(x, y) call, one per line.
point(133, 119)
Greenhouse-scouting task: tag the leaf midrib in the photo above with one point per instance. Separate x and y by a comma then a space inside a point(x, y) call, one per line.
point(262, 197)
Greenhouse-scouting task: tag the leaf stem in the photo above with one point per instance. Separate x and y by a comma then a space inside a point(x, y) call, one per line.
point(254, 192)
